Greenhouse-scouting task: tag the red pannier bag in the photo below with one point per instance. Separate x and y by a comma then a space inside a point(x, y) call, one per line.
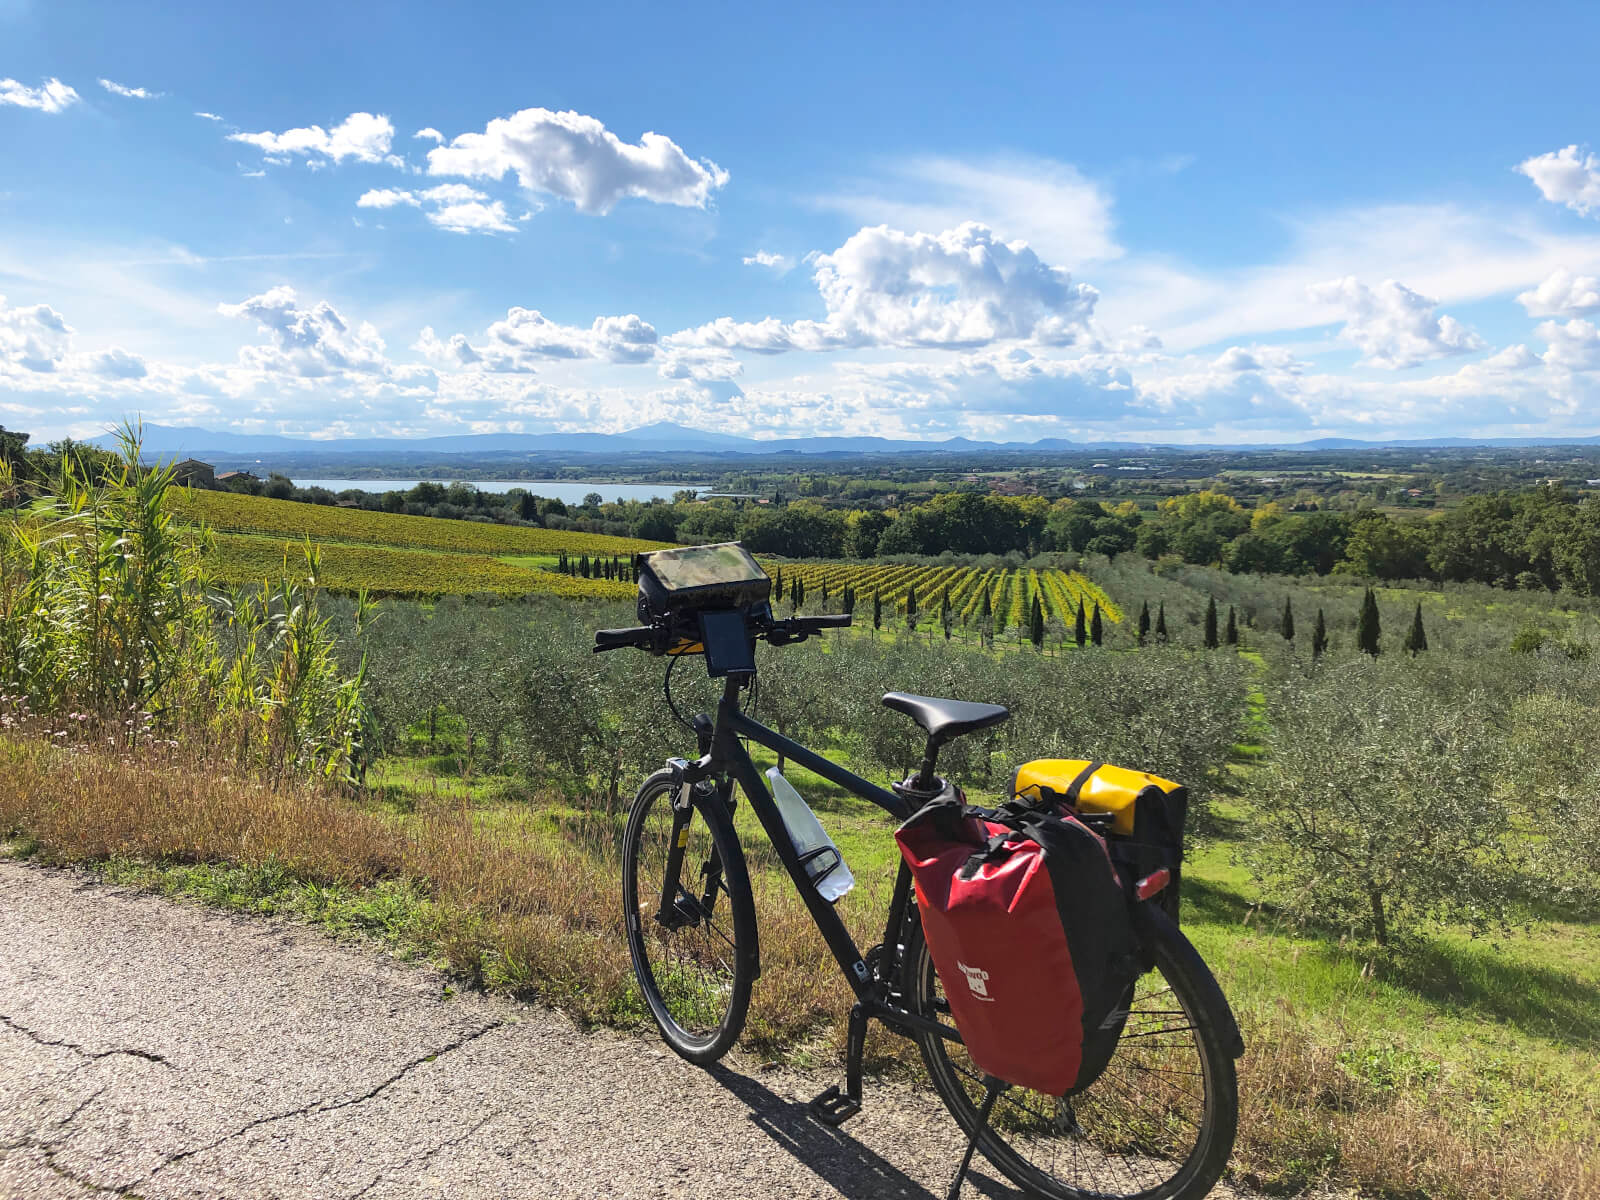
point(1028, 926)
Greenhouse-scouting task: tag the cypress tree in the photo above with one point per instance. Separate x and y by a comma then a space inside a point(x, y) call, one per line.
point(583, 566)
point(824, 591)
point(877, 610)
point(1080, 631)
point(1368, 630)
point(1036, 623)
point(1231, 636)
point(986, 618)
point(1319, 636)
point(945, 614)
point(849, 599)
point(911, 608)
point(1417, 639)
point(798, 593)
point(1144, 621)
point(1287, 626)
point(1097, 627)
point(1161, 622)
point(777, 585)
point(1211, 623)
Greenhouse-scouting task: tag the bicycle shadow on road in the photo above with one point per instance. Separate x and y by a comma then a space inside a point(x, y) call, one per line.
point(855, 1170)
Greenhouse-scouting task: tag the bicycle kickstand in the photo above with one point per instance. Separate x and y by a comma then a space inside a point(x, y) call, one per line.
point(992, 1089)
point(834, 1107)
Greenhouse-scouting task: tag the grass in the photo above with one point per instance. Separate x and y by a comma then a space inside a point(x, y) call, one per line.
point(1469, 1072)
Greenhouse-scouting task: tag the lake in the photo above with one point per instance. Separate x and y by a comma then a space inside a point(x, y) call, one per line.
point(568, 491)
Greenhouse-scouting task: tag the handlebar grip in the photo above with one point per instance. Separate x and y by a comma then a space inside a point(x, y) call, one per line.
point(826, 621)
point(616, 639)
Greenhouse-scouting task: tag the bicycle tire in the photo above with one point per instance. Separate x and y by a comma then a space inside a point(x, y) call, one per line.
point(1129, 1162)
point(698, 994)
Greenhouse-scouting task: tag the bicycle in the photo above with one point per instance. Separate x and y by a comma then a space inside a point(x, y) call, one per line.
point(1158, 1124)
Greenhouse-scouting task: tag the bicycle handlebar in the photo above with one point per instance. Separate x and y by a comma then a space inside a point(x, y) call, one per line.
point(642, 636)
point(779, 633)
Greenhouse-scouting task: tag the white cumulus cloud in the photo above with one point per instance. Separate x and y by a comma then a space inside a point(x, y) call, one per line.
point(34, 338)
point(131, 93)
point(116, 363)
point(1394, 326)
point(452, 206)
point(361, 136)
point(575, 157)
point(1566, 176)
point(307, 342)
point(526, 336)
point(1562, 294)
point(51, 96)
point(429, 132)
point(962, 288)
point(1574, 346)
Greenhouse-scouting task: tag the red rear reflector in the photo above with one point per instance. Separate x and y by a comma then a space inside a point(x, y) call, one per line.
point(1151, 884)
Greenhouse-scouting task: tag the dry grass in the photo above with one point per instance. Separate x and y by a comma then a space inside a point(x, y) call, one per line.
point(1304, 1116)
point(513, 909)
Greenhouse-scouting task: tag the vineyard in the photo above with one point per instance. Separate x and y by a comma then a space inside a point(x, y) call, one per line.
point(392, 554)
point(233, 513)
point(389, 571)
point(921, 591)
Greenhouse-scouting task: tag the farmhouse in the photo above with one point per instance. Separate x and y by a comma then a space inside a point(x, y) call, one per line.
point(192, 471)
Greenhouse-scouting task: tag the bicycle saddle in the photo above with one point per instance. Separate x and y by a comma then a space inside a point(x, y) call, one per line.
point(945, 719)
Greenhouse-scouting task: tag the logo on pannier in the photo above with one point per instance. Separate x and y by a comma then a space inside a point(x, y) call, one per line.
point(977, 980)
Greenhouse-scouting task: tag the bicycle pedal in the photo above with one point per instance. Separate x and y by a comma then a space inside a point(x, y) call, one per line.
point(834, 1107)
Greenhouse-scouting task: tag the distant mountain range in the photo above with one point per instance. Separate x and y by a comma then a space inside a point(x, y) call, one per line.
point(165, 441)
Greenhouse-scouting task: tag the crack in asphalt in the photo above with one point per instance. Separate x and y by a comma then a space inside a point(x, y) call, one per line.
point(82, 1104)
point(318, 1107)
point(420, 1160)
point(49, 1151)
point(76, 1047)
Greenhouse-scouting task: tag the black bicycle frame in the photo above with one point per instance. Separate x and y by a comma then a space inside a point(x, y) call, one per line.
point(727, 756)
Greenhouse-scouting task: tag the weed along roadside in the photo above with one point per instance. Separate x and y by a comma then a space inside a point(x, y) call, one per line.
point(452, 780)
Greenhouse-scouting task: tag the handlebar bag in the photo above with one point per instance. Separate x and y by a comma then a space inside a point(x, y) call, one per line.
point(1028, 925)
point(1141, 815)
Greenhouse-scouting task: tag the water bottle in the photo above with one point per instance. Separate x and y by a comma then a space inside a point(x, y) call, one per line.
point(823, 862)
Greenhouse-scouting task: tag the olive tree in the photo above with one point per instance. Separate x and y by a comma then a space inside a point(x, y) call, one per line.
point(1376, 801)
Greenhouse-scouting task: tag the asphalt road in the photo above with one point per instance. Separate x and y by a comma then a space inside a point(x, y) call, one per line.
point(158, 1049)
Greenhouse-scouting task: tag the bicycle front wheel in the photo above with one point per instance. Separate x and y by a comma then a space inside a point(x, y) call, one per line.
point(1158, 1124)
point(690, 916)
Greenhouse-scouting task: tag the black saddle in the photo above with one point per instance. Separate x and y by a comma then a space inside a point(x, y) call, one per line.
point(945, 719)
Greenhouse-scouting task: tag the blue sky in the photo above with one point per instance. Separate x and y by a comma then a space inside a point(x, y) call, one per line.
point(1015, 222)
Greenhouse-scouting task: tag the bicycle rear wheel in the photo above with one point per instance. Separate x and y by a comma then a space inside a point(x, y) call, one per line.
point(1158, 1124)
point(690, 917)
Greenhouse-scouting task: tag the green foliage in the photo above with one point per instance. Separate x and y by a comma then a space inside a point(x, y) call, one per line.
point(1231, 635)
point(1319, 636)
point(1211, 623)
point(1374, 801)
point(1144, 621)
point(1416, 637)
point(102, 595)
point(1369, 630)
point(108, 617)
point(1286, 625)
